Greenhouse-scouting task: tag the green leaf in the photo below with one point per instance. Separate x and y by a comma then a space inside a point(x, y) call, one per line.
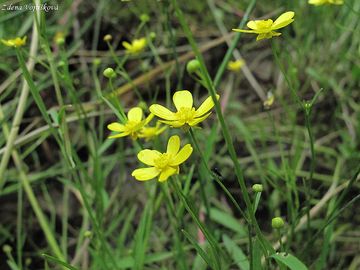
point(200, 251)
point(289, 260)
point(236, 253)
point(227, 221)
point(58, 262)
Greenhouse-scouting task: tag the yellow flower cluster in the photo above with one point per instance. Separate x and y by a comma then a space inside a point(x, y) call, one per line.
point(163, 165)
point(267, 28)
point(135, 47)
point(16, 42)
point(324, 2)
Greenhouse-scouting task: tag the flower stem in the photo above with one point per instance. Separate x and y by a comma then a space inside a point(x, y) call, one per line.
point(204, 165)
point(226, 133)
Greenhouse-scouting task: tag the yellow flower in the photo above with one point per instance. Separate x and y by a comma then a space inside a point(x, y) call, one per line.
point(269, 100)
point(235, 66)
point(135, 47)
point(186, 114)
point(151, 132)
point(132, 126)
point(266, 28)
point(323, 2)
point(16, 42)
point(162, 164)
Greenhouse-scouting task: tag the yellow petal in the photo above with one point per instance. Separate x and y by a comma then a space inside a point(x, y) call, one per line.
point(119, 135)
point(173, 145)
point(148, 156)
point(183, 155)
point(175, 124)
point(263, 36)
point(198, 120)
point(166, 173)
point(116, 127)
point(283, 20)
point(244, 31)
point(144, 174)
point(127, 45)
point(135, 114)
point(162, 112)
point(149, 118)
point(183, 99)
point(206, 106)
point(252, 25)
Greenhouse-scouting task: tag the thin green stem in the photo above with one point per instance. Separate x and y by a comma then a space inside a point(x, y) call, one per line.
point(204, 164)
point(224, 127)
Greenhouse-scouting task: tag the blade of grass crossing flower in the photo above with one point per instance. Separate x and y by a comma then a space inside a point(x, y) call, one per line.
point(231, 149)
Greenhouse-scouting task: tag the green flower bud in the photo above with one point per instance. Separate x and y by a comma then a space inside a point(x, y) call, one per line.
point(192, 66)
point(28, 261)
point(7, 249)
point(109, 73)
point(277, 223)
point(87, 234)
point(60, 41)
point(97, 61)
point(107, 38)
point(152, 35)
point(257, 188)
point(144, 18)
point(143, 105)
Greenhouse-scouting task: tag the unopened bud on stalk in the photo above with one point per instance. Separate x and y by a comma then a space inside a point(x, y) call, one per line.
point(193, 66)
point(107, 37)
point(277, 223)
point(109, 73)
point(257, 188)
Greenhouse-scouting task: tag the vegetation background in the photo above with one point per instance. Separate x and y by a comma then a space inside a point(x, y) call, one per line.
point(67, 196)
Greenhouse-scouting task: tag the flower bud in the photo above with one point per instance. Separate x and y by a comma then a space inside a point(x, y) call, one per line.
point(143, 105)
point(144, 18)
point(257, 188)
point(87, 234)
point(7, 249)
point(152, 35)
point(109, 73)
point(193, 65)
point(107, 37)
point(277, 223)
point(97, 61)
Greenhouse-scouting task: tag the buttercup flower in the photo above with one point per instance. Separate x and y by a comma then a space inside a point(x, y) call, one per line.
point(16, 42)
point(266, 28)
point(135, 47)
point(132, 126)
point(186, 114)
point(269, 100)
point(162, 164)
point(235, 66)
point(323, 2)
point(148, 132)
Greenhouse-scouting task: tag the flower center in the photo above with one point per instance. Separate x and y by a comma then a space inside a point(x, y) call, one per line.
point(185, 115)
point(162, 161)
point(133, 126)
point(264, 25)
